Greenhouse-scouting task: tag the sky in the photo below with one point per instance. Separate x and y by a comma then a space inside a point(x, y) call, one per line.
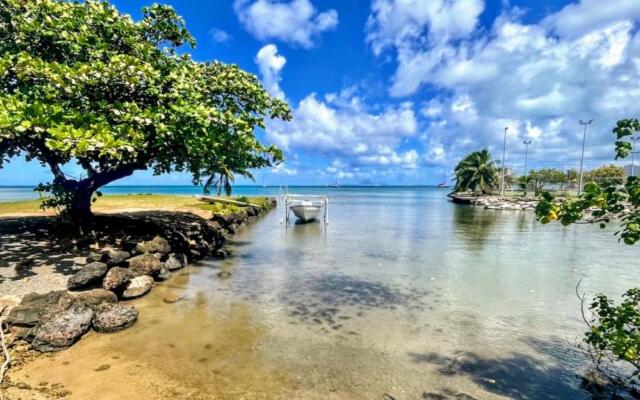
point(397, 91)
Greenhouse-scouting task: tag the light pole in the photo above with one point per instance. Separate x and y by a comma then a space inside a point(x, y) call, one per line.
point(584, 138)
point(504, 167)
point(526, 151)
point(633, 151)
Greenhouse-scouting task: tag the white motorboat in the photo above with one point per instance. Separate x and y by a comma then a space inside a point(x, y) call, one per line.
point(306, 210)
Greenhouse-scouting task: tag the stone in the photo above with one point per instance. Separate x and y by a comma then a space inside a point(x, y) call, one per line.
point(176, 261)
point(172, 298)
point(116, 257)
point(38, 308)
point(94, 257)
point(117, 278)
point(145, 264)
point(80, 260)
point(63, 330)
point(96, 297)
point(156, 245)
point(90, 275)
point(164, 273)
point(113, 317)
point(220, 253)
point(138, 286)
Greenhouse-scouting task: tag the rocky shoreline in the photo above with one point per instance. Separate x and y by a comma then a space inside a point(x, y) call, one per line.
point(130, 254)
point(498, 203)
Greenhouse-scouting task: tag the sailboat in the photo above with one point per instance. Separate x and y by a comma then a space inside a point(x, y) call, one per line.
point(444, 184)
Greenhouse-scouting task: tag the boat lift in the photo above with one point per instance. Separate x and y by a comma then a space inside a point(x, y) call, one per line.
point(305, 207)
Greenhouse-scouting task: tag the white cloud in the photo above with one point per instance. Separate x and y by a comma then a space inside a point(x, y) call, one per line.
point(219, 36)
point(340, 125)
point(270, 64)
point(538, 78)
point(280, 169)
point(296, 22)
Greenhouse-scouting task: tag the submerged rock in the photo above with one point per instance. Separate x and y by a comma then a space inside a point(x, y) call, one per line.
point(95, 297)
point(63, 330)
point(145, 264)
point(176, 261)
point(113, 317)
point(164, 273)
point(138, 286)
point(117, 278)
point(156, 245)
point(90, 275)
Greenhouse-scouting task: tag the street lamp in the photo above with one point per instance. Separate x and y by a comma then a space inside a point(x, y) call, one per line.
point(584, 138)
point(526, 151)
point(633, 151)
point(504, 167)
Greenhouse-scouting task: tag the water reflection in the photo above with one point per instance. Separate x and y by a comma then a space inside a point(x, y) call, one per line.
point(473, 226)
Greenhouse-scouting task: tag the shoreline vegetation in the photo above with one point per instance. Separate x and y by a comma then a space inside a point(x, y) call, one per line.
point(137, 241)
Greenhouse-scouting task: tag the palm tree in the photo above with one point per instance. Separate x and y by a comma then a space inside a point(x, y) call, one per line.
point(476, 171)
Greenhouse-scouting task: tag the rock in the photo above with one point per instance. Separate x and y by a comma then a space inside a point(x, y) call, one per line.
point(113, 317)
point(176, 261)
point(164, 273)
point(116, 257)
point(117, 278)
point(95, 297)
point(156, 245)
point(90, 275)
point(63, 330)
point(79, 260)
point(94, 257)
point(172, 298)
point(7, 303)
point(220, 253)
point(138, 286)
point(224, 274)
point(38, 308)
point(145, 264)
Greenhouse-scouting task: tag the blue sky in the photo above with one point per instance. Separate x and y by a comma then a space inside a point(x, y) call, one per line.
point(396, 91)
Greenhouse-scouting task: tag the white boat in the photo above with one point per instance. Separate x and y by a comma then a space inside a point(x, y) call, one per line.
point(306, 210)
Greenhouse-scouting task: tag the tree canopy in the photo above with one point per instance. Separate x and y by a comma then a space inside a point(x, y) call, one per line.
point(606, 175)
point(80, 82)
point(477, 171)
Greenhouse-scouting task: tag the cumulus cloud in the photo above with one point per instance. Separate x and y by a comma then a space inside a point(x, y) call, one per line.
point(270, 64)
point(536, 78)
point(296, 22)
point(341, 125)
point(219, 36)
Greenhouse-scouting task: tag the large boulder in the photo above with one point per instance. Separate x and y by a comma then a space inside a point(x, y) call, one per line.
point(117, 278)
point(176, 261)
point(36, 308)
point(145, 264)
point(156, 245)
point(95, 297)
point(113, 317)
point(63, 330)
point(89, 276)
point(138, 286)
point(116, 257)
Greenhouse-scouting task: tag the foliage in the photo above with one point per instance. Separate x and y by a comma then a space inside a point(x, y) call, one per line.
point(606, 175)
point(614, 331)
point(524, 182)
point(546, 176)
point(476, 171)
point(80, 82)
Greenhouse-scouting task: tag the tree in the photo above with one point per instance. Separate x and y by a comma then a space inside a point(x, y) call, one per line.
point(82, 83)
point(607, 175)
point(546, 176)
point(524, 182)
point(476, 171)
point(614, 330)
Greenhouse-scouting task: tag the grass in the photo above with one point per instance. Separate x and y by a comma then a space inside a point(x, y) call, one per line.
point(135, 202)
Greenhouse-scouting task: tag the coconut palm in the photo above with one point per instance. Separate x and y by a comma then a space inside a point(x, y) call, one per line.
point(476, 171)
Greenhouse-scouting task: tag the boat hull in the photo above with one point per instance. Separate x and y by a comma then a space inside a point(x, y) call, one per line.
point(306, 212)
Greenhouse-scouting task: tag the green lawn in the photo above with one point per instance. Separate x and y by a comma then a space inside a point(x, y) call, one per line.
point(135, 202)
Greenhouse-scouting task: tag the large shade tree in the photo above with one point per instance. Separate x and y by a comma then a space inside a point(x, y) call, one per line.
point(477, 171)
point(82, 83)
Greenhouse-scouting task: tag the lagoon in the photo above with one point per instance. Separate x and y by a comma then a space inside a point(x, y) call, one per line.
point(403, 295)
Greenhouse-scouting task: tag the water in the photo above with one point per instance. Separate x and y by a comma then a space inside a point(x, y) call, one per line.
point(403, 294)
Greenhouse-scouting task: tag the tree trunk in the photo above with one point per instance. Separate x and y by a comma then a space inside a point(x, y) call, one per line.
point(79, 209)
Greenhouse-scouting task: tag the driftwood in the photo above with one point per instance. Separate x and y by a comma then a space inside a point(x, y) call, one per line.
point(212, 199)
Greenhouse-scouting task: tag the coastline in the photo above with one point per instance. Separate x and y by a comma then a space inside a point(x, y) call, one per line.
point(60, 288)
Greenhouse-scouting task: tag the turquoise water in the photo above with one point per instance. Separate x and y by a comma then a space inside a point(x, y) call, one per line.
point(403, 293)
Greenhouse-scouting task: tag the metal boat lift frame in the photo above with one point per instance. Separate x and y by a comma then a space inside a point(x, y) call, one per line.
point(286, 199)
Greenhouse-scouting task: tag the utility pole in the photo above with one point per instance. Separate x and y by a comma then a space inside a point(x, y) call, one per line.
point(504, 167)
point(526, 151)
point(633, 151)
point(584, 138)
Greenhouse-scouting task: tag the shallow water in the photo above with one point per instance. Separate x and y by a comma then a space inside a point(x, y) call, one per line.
point(403, 294)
